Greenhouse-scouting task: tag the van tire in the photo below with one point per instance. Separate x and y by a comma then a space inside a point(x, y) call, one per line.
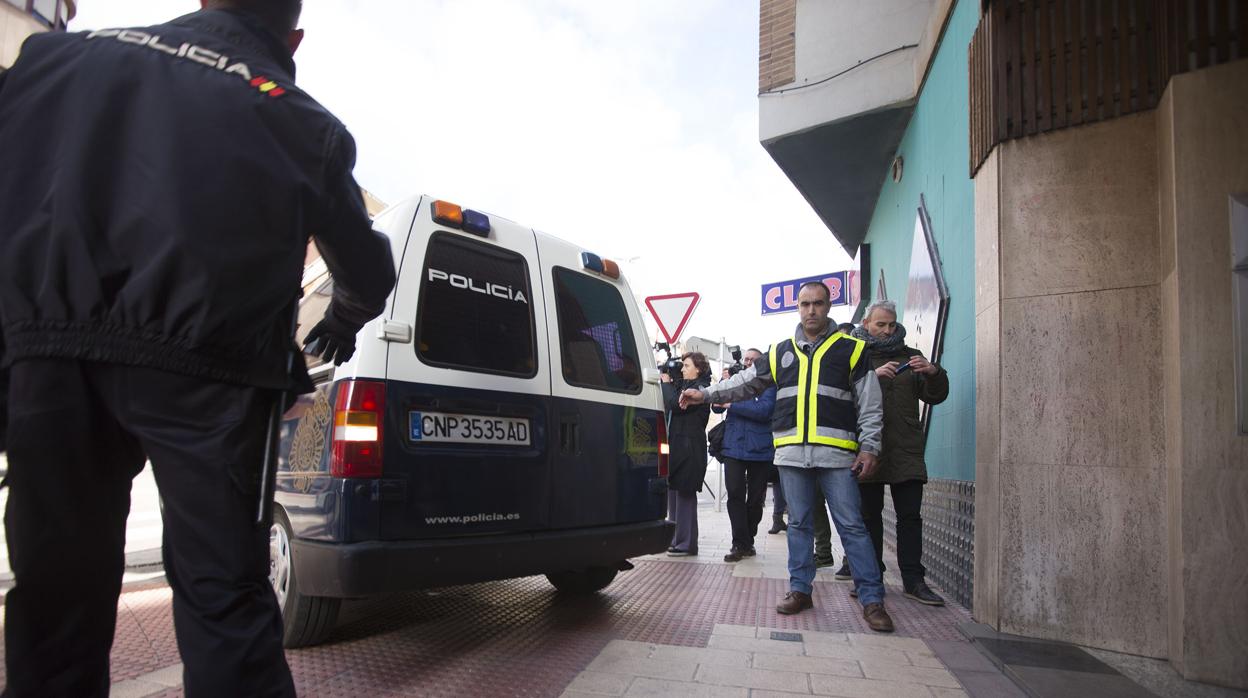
point(583, 581)
point(306, 620)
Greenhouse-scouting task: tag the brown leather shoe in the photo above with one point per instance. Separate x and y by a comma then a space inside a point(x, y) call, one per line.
point(794, 602)
point(878, 618)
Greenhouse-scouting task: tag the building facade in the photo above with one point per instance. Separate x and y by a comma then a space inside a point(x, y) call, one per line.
point(1084, 170)
point(863, 107)
point(21, 18)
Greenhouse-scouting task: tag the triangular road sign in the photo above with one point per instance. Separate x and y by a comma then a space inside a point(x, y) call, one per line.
point(672, 312)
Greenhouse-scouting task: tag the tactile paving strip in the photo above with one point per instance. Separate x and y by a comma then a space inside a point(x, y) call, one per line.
point(143, 641)
point(519, 638)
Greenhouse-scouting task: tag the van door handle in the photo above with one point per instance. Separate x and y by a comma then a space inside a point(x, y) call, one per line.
point(569, 435)
point(394, 331)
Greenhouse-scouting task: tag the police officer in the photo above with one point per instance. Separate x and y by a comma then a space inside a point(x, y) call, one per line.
point(826, 430)
point(158, 190)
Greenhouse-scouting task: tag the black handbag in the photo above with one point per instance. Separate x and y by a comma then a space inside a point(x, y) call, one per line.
point(715, 440)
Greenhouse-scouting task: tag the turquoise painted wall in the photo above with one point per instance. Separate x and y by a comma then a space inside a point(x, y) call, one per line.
point(935, 152)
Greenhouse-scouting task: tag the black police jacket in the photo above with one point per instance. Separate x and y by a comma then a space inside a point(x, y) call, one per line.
point(158, 189)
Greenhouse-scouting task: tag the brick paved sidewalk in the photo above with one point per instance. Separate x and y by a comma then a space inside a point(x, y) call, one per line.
point(706, 623)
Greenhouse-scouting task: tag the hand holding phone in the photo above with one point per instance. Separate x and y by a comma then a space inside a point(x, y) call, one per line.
point(902, 368)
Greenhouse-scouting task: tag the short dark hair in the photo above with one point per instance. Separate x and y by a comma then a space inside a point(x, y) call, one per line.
point(845, 327)
point(699, 362)
point(827, 292)
point(280, 16)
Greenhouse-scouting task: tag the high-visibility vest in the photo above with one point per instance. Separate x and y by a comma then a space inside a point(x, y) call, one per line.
point(815, 394)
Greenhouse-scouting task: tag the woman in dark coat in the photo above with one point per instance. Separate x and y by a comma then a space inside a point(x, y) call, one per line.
point(686, 436)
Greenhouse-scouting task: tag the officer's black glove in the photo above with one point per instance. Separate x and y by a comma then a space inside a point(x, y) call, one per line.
point(331, 340)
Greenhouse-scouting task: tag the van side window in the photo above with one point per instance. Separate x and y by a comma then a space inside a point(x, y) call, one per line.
point(476, 310)
point(311, 309)
point(595, 336)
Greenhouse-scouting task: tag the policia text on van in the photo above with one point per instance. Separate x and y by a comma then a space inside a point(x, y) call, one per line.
point(495, 422)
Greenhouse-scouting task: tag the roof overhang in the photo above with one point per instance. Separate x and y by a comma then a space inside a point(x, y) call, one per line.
point(839, 167)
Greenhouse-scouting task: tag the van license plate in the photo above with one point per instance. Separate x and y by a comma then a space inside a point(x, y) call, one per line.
point(467, 429)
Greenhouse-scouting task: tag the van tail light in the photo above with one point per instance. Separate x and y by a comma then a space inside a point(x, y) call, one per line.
point(359, 414)
point(664, 449)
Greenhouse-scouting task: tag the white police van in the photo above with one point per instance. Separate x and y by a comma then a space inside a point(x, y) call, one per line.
point(501, 418)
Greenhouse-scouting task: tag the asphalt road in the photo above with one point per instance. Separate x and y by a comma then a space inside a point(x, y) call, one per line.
point(143, 528)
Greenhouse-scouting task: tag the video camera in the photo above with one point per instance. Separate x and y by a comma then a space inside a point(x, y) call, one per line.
point(736, 366)
point(672, 365)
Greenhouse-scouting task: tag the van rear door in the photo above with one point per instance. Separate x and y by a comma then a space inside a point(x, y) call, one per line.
point(606, 414)
point(469, 397)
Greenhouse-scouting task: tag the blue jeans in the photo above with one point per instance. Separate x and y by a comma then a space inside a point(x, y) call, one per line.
point(840, 490)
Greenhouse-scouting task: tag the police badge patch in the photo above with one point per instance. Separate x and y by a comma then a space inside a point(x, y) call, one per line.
point(788, 359)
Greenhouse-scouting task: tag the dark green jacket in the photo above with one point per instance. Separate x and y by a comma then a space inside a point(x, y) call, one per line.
point(901, 456)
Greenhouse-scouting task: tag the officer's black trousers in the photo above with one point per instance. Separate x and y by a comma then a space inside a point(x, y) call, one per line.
point(79, 432)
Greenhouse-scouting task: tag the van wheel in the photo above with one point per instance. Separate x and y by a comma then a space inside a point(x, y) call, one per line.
point(584, 581)
point(306, 620)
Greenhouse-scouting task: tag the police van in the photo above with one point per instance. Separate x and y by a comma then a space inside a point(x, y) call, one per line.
point(501, 418)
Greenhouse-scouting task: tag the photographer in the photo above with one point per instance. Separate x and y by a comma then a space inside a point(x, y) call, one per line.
point(686, 437)
point(747, 455)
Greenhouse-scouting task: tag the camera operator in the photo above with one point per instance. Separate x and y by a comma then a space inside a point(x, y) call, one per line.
point(747, 456)
point(686, 437)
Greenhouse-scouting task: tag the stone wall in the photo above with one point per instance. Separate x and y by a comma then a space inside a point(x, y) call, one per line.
point(1070, 454)
point(1204, 158)
point(1111, 480)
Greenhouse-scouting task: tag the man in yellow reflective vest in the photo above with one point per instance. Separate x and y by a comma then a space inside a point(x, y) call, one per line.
point(826, 430)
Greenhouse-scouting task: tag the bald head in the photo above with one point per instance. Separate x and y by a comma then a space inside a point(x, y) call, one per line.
point(280, 16)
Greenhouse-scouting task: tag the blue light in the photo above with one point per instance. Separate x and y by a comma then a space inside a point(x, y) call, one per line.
point(591, 261)
point(476, 223)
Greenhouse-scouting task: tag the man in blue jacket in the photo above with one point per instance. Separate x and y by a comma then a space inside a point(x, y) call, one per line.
point(158, 191)
point(747, 456)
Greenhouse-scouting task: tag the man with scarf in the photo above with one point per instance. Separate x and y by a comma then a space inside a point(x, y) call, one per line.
point(906, 377)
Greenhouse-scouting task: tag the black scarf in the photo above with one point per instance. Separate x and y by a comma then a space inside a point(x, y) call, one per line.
point(699, 382)
point(882, 345)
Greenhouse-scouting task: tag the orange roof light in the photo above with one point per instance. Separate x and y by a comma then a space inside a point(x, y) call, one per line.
point(447, 213)
point(598, 265)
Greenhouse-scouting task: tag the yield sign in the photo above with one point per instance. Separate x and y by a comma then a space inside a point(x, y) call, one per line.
point(672, 312)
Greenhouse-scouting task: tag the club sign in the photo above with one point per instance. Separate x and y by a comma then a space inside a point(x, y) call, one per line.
point(781, 296)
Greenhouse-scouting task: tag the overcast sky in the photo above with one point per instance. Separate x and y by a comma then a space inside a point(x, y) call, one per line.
point(629, 128)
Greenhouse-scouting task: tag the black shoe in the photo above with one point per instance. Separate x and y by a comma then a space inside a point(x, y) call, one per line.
point(843, 573)
point(735, 555)
point(749, 552)
point(677, 552)
point(824, 561)
point(778, 525)
point(854, 592)
point(923, 594)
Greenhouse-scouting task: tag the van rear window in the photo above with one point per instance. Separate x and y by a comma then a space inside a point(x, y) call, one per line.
point(476, 309)
point(595, 337)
